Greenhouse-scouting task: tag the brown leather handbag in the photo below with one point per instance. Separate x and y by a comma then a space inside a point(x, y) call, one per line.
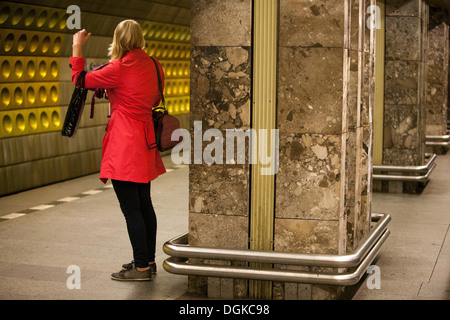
point(163, 122)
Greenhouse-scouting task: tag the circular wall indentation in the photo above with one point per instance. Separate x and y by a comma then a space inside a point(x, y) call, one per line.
point(177, 52)
point(7, 124)
point(57, 45)
point(17, 16)
point(63, 22)
point(169, 106)
point(171, 33)
point(20, 122)
point(177, 34)
point(9, 42)
point(34, 43)
point(164, 33)
point(29, 18)
point(54, 69)
point(171, 53)
point(31, 69)
point(41, 19)
point(145, 29)
point(158, 51)
point(158, 31)
point(22, 43)
point(18, 96)
point(44, 120)
point(6, 69)
point(18, 69)
point(152, 49)
point(45, 44)
point(180, 70)
point(168, 70)
point(54, 94)
point(32, 121)
point(146, 49)
point(56, 119)
point(31, 95)
point(165, 51)
point(53, 20)
point(151, 31)
point(5, 97)
point(42, 69)
point(4, 14)
point(42, 94)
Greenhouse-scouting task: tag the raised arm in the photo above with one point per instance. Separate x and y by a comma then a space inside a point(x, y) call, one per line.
point(104, 78)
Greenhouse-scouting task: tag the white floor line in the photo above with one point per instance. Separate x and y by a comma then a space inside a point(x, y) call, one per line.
point(13, 216)
point(68, 199)
point(43, 207)
point(91, 192)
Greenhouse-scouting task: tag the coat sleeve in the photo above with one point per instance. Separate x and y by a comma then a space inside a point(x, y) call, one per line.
point(105, 78)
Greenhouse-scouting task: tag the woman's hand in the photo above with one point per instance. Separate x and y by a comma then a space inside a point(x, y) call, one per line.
point(80, 38)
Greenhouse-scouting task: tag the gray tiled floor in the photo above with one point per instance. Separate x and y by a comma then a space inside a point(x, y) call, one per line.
point(37, 248)
point(415, 260)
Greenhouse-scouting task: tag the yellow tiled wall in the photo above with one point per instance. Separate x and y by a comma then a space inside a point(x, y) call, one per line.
point(36, 87)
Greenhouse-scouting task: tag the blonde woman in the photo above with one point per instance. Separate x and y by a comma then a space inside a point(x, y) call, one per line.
point(129, 156)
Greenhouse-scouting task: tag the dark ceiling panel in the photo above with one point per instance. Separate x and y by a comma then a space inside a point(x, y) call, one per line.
point(167, 11)
point(440, 3)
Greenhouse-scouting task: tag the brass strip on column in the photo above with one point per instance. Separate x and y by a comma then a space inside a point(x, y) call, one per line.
point(378, 110)
point(263, 117)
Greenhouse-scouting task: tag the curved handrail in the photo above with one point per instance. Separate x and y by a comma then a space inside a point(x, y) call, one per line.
point(178, 247)
point(426, 167)
point(390, 177)
point(174, 265)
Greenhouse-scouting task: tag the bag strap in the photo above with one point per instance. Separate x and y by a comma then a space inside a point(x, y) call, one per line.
point(159, 82)
point(81, 79)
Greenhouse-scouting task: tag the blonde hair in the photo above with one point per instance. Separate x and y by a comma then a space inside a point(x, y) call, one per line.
point(127, 36)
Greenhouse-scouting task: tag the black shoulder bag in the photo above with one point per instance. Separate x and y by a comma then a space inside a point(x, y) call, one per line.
point(75, 109)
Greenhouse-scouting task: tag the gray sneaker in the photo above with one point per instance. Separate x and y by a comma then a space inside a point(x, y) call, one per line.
point(130, 265)
point(132, 274)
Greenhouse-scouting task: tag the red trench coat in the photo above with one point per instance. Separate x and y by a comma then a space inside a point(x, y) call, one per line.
point(132, 87)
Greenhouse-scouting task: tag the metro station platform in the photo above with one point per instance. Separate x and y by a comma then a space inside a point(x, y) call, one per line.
point(79, 223)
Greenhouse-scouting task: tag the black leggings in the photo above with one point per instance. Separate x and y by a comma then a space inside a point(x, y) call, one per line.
point(137, 207)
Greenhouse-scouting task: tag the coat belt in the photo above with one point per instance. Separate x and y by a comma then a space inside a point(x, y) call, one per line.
point(148, 126)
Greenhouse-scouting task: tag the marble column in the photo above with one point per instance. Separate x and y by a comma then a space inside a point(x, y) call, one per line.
point(405, 82)
point(325, 98)
point(324, 102)
point(437, 75)
point(220, 99)
point(404, 129)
